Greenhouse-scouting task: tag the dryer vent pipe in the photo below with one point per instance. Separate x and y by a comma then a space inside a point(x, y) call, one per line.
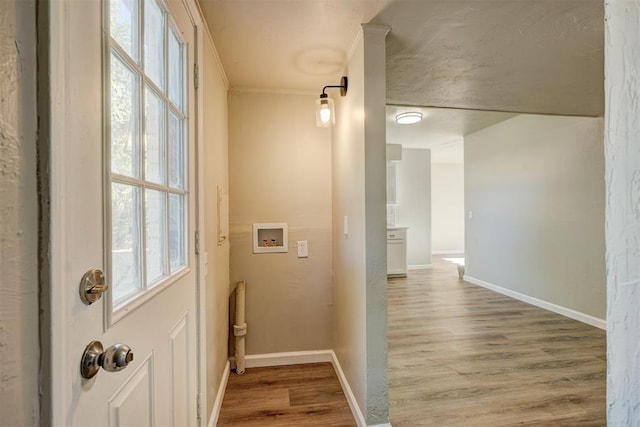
point(240, 327)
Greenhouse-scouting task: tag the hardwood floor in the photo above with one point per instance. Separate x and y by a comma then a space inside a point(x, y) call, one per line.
point(294, 395)
point(461, 355)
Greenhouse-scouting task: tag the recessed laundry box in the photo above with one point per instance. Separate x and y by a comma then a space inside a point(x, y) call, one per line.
point(270, 237)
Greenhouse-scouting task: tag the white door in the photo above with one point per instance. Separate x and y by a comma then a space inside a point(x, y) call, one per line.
point(124, 202)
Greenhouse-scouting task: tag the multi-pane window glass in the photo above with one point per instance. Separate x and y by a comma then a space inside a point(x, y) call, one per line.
point(154, 147)
point(147, 147)
point(154, 37)
point(126, 238)
point(124, 24)
point(125, 120)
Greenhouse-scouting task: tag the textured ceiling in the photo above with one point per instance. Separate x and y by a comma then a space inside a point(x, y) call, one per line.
point(525, 56)
point(441, 130)
point(536, 56)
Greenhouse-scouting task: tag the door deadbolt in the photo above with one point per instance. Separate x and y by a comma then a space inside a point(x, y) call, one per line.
point(113, 359)
point(92, 286)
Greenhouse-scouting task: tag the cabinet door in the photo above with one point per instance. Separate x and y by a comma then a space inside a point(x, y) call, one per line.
point(396, 257)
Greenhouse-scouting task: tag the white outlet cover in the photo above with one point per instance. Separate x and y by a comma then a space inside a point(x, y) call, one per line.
point(303, 249)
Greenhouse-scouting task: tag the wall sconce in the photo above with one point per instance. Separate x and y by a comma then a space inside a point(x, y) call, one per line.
point(325, 113)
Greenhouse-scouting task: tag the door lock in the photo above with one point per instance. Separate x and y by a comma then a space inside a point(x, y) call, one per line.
point(113, 359)
point(92, 286)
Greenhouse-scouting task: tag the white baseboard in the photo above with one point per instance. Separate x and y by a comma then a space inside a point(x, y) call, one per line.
point(217, 405)
point(449, 252)
point(567, 312)
point(351, 398)
point(419, 266)
point(285, 358)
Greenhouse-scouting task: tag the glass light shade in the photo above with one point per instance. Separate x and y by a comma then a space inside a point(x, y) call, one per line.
point(408, 118)
point(325, 113)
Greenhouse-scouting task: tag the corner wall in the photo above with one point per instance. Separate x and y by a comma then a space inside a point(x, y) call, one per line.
point(447, 207)
point(19, 348)
point(534, 186)
point(414, 204)
point(359, 224)
point(622, 152)
point(280, 171)
point(216, 173)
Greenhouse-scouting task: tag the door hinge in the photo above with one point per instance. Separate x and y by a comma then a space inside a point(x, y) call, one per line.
point(196, 76)
point(197, 243)
point(199, 407)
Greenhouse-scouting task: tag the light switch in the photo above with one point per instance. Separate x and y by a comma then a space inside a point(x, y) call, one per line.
point(470, 214)
point(303, 249)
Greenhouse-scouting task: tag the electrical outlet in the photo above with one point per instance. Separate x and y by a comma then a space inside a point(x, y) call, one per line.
point(303, 249)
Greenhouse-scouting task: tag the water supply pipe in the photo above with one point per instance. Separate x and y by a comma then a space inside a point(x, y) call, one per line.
point(240, 327)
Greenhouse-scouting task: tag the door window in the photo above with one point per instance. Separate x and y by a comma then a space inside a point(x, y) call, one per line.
point(146, 150)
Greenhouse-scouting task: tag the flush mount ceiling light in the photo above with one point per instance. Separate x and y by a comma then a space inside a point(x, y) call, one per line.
point(408, 118)
point(325, 114)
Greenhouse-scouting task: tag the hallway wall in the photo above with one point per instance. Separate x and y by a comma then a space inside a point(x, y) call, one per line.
point(280, 171)
point(359, 223)
point(534, 196)
point(414, 204)
point(447, 207)
point(19, 347)
point(216, 173)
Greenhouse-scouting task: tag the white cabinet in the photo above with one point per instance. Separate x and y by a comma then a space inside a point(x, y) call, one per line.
point(397, 251)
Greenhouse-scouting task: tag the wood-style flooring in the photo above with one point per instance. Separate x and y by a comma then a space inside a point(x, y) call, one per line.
point(461, 355)
point(294, 395)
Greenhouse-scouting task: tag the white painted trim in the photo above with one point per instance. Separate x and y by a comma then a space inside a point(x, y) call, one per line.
point(346, 388)
point(381, 425)
point(277, 91)
point(419, 266)
point(201, 275)
point(449, 252)
point(564, 311)
point(217, 405)
point(285, 358)
point(57, 392)
point(216, 55)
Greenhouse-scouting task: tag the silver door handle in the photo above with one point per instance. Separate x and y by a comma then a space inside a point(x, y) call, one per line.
point(113, 359)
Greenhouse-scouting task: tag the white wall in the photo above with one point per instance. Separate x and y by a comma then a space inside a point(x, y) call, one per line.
point(447, 208)
point(535, 186)
point(280, 171)
point(216, 173)
point(359, 258)
point(414, 204)
point(349, 250)
point(19, 348)
point(622, 85)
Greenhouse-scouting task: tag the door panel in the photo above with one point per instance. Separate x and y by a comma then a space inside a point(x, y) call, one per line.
point(132, 404)
point(179, 343)
point(159, 386)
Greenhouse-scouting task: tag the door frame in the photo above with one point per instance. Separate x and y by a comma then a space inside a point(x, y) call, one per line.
point(201, 271)
point(54, 126)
